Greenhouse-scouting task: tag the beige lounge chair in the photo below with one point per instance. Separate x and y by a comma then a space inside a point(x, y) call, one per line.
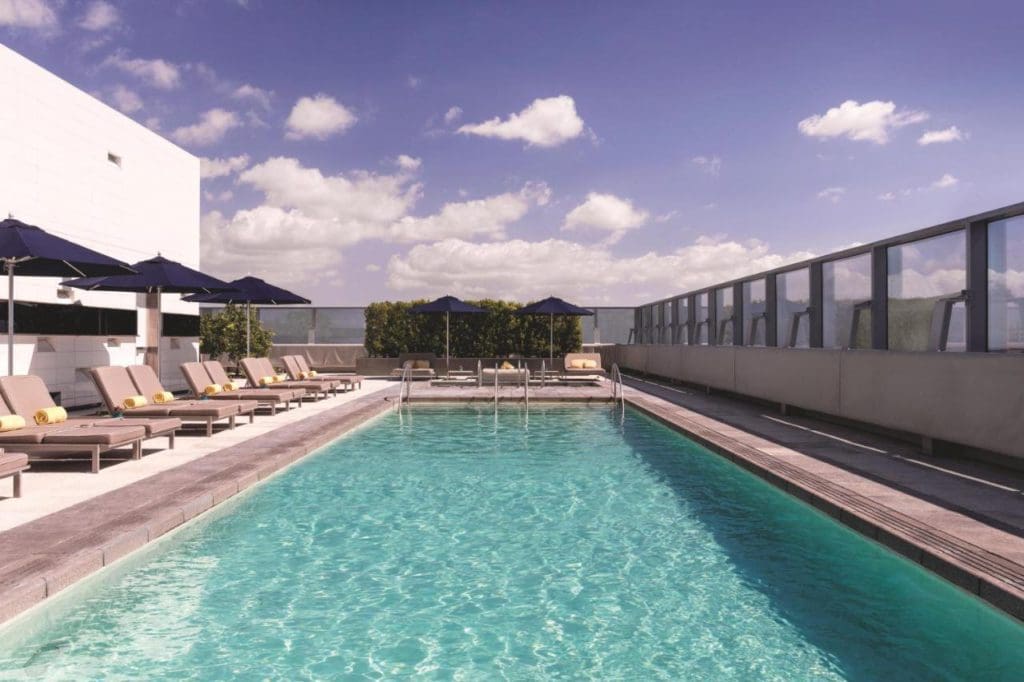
point(257, 368)
point(26, 395)
point(572, 359)
point(146, 380)
point(199, 376)
point(354, 380)
point(294, 372)
point(61, 439)
point(11, 466)
point(418, 365)
point(116, 385)
point(505, 377)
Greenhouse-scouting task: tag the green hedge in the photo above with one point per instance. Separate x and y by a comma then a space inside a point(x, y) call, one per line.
point(392, 330)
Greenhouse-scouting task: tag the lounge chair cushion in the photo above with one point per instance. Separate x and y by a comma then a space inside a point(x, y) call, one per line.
point(86, 435)
point(12, 462)
point(115, 385)
point(26, 395)
point(577, 364)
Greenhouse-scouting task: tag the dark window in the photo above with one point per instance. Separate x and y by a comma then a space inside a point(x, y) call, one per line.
point(71, 320)
point(181, 325)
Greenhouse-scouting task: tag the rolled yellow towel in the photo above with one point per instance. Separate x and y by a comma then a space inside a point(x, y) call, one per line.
point(213, 389)
point(11, 422)
point(133, 401)
point(51, 415)
point(507, 365)
point(278, 378)
point(304, 375)
point(163, 397)
point(231, 386)
point(266, 381)
point(311, 374)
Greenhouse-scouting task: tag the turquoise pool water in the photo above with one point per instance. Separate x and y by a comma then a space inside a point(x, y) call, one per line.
point(451, 544)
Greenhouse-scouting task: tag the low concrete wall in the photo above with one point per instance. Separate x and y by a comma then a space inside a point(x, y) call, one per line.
point(972, 399)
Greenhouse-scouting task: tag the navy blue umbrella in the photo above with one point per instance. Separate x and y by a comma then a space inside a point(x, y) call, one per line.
point(155, 276)
point(33, 252)
point(446, 305)
point(250, 290)
point(552, 306)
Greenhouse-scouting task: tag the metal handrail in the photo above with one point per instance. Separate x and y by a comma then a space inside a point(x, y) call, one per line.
point(526, 390)
point(405, 393)
point(616, 379)
point(495, 388)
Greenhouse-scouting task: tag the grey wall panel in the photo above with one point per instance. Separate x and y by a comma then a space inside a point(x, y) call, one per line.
point(972, 398)
point(713, 366)
point(807, 378)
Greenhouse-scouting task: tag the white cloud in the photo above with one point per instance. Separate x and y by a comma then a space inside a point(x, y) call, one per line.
point(211, 128)
point(216, 168)
point(524, 270)
point(99, 15)
point(665, 217)
point(947, 180)
point(153, 123)
point(226, 195)
point(833, 194)
point(545, 123)
point(372, 267)
point(414, 82)
point(887, 196)
point(318, 117)
point(157, 73)
point(254, 94)
point(712, 165)
point(606, 212)
point(488, 217)
point(409, 163)
point(452, 115)
point(35, 14)
point(872, 121)
point(125, 99)
point(950, 134)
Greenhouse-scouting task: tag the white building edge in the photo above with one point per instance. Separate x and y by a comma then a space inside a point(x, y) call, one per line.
point(78, 168)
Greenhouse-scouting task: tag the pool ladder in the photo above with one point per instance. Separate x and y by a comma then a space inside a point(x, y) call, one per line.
point(405, 388)
point(616, 381)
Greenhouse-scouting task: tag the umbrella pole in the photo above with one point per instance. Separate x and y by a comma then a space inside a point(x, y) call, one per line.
point(247, 330)
point(551, 339)
point(10, 317)
point(159, 327)
point(447, 339)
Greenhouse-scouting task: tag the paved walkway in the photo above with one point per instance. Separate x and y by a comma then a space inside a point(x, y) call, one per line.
point(962, 519)
point(50, 486)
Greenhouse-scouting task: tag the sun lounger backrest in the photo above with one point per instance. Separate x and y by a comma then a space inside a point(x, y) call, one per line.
point(301, 360)
point(146, 381)
point(115, 385)
point(196, 376)
point(253, 371)
point(4, 409)
point(216, 372)
point(267, 367)
point(291, 366)
point(25, 395)
point(569, 357)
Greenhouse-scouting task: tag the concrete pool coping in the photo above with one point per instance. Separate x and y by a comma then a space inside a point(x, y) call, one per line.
point(40, 558)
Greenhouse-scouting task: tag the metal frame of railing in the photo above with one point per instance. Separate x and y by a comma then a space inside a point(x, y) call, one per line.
point(778, 332)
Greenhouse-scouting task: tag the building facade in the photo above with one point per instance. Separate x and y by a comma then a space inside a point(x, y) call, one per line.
point(82, 170)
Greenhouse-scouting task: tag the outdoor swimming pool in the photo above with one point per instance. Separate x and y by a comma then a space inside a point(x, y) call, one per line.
point(451, 543)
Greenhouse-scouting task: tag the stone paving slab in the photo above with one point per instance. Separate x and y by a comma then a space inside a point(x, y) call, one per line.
point(915, 511)
point(42, 557)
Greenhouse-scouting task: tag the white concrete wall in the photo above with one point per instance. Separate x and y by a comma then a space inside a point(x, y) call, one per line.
point(55, 173)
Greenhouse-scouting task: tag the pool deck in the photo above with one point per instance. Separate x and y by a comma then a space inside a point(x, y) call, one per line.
point(962, 520)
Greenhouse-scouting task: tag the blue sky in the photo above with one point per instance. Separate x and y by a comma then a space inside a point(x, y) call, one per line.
point(607, 153)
